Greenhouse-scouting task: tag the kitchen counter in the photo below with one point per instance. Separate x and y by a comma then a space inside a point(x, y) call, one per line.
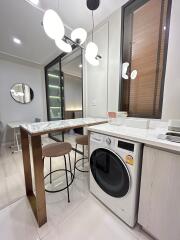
point(146, 136)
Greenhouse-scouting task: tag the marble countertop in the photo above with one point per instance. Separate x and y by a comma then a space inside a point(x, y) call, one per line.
point(41, 128)
point(147, 136)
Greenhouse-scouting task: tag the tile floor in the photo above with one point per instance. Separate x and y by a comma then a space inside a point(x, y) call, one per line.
point(12, 175)
point(83, 218)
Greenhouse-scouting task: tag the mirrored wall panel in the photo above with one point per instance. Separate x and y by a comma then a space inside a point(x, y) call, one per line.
point(71, 67)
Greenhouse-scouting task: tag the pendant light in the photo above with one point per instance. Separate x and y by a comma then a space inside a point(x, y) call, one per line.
point(91, 53)
point(92, 60)
point(93, 4)
point(62, 45)
point(54, 28)
point(79, 35)
point(92, 49)
point(53, 25)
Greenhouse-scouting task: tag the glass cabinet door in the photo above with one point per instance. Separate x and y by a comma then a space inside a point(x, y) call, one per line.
point(55, 95)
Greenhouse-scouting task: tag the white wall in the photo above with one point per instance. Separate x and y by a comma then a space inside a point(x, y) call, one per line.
point(171, 108)
point(101, 83)
point(12, 72)
point(72, 92)
point(114, 69)
point(103, 92)
point(96, 77)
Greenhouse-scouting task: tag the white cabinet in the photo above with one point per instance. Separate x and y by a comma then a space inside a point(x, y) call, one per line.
point(159, 211)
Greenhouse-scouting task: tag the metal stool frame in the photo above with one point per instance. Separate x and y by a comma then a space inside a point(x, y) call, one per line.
point(66, 171)
point(77, 160)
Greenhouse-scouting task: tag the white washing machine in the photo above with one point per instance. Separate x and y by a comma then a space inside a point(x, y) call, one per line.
point(115, 166)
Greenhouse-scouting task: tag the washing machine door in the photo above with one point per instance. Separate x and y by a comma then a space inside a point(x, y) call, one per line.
point(110, 172)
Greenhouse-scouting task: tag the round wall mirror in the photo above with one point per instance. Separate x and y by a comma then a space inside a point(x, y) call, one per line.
point(22, 93)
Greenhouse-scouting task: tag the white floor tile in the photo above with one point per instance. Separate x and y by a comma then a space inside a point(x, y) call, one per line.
point(83, 218)
point(17, 223)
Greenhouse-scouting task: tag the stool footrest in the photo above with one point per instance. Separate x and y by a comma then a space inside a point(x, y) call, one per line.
point(77, 167)
point(59, 170)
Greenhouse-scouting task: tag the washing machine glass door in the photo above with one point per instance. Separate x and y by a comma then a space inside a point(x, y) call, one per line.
point(110, 172)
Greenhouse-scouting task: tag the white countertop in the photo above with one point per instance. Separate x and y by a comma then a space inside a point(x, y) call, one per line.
point(46, 127)
point(146, 136)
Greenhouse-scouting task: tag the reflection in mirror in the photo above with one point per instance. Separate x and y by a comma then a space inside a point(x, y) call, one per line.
point(72, 67)
point(72, 73)
point(22, 93)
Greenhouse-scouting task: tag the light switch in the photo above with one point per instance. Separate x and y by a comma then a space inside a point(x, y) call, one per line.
point(93, 103)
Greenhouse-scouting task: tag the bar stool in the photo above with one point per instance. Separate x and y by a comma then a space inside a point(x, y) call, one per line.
point(57, 150)
point(83, 141)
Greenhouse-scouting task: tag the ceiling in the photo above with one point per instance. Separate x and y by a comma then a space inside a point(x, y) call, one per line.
point(19, 18)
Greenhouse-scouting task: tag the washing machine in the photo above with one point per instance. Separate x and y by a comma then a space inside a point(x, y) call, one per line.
point(115, 167)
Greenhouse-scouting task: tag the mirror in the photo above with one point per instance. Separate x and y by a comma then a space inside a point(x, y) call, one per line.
point(22, 93)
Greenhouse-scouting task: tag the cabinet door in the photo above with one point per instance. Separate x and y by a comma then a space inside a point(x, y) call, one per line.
point(159, 211)
point(55, 95)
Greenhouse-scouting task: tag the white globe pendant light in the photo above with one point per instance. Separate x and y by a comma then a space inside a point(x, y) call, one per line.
point(92, 60)
point(79, 35)
point(91, 50)
point(53, 25)
point(62, 45)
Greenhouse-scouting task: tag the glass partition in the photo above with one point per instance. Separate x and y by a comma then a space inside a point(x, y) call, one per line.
point(55, 95)
point(64, 91)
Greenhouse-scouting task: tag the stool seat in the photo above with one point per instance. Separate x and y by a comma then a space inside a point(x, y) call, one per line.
point(82, 140)
point(56, 149)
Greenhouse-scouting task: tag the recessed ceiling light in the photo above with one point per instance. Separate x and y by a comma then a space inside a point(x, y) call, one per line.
point(17, 40)
point(35, 2)
point(80, 66)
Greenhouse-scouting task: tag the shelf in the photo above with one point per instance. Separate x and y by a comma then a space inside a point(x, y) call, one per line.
point(55, 97)
point(54, 86)
point(53, 75)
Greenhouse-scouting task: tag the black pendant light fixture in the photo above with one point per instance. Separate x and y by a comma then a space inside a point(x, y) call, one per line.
point(91, 53)
point(93, 4)
point(54, 28)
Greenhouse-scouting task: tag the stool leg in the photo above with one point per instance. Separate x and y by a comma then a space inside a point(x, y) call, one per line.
point(83, 157)
point(70, 166)
point(75, 161)
point(66, 177)
point(50, 170)
point(43, 160)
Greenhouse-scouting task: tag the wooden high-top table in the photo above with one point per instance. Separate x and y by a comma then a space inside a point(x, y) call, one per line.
point(34, 131)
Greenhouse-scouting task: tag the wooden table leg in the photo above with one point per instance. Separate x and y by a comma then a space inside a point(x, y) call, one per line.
point(37, 201)
point(26, 162)
point(39, 180)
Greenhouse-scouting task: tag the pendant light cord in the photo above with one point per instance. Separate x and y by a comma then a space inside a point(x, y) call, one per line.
point(58, 5)
point(92, 26)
